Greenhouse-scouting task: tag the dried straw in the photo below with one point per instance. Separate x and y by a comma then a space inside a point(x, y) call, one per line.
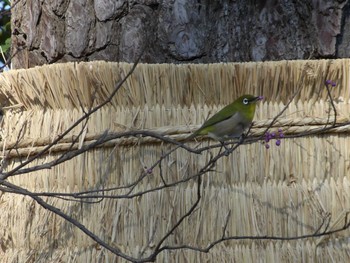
point(285, 191)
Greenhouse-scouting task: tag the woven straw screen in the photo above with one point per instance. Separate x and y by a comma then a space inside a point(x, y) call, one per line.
point(286, 191)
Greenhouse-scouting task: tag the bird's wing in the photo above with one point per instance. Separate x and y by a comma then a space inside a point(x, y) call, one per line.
point(222, 115)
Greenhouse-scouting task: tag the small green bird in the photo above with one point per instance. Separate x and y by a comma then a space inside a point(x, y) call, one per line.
point(231, 121)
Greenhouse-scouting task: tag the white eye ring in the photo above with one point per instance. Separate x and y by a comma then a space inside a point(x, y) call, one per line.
point(245, 101)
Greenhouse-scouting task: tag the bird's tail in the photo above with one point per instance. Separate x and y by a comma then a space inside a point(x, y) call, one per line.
point(190, 137)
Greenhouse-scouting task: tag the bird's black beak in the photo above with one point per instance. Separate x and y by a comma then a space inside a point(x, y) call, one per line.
point(256, 99)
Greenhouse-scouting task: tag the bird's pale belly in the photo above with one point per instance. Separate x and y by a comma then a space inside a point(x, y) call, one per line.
point(228, 129)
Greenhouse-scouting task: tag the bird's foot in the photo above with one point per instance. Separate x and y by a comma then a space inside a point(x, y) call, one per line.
point(227, 150)
point(242, 138)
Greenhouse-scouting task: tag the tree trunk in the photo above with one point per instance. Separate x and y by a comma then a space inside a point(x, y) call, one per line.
point(199, 31)
point(179, 31)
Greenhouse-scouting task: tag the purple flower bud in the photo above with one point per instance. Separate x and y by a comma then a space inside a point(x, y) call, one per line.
point(328, 82)
point(261, 98)
point(281, 135)
point(148, 170)
point(333, 84)
point(278, 142)
point(267, 137)
point(280, 130)
point(267, 146)
point(273, 134)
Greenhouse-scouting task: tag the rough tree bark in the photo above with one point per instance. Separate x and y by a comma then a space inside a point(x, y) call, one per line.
point(177, 31)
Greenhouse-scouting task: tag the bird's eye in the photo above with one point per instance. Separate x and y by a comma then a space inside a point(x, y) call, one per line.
point(245, 101)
